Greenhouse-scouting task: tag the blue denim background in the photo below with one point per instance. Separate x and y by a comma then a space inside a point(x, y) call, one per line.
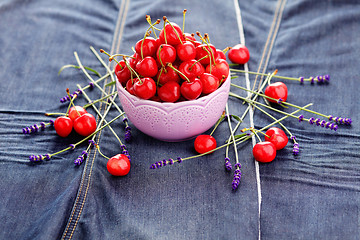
point(311, 196)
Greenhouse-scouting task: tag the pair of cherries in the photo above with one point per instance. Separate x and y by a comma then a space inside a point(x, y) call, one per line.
point(173, 67)
point(275, 139)
point(78, 119)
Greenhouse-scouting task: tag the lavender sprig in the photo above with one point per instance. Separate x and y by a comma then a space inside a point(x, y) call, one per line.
point(237, 176)
point(36, 127)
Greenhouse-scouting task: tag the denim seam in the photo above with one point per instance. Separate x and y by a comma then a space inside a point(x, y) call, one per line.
point(86, 178)
point(272, 35)
point(251, 112)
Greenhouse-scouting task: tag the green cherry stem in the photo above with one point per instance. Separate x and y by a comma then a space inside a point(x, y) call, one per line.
point(98, 112)
point(217, 123)
point(182, 74)
point(177, 34)
point(71, 102)
point(98, 148)
point(183, 24)
point(285, 103)
point(266, 74)
point(231, 135)
point(164, 18)
point(111, 76)
point(86, 138)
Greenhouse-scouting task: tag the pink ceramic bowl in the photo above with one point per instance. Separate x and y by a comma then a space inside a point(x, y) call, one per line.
point(175, 122)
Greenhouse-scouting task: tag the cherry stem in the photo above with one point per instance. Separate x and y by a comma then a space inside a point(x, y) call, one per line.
point(97, 100)
point(226, 49)
point(71, 102)
point(266, 74)
point(86, 138)
point(148, 19)
point(217, 123)
point(159, 57)
point(206, 36)
point(197, 61)
point(204, 48)
point(142, 42)
point(164, 18)
point(171, 66)
point(94, 82)
point(286, 103)
point(132, 70)
point(231, 133)
point(158, 79)
point(98, 148)
point(98, 112)
point(183, 25)
point(177, 34)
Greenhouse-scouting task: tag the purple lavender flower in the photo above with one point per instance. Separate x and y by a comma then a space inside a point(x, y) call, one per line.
point(301, 117)
point(128, 136)
point(296, 149)
point(301, 79)
point(228, 165)
point(237, 176)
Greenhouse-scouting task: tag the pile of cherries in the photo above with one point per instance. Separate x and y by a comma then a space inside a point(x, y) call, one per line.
point(173, 67)
point(79, 119)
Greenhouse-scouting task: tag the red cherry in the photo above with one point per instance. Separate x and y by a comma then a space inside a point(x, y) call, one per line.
point(201, 52)
point(166, 53)
point(167, 75)
point(264, 151)
point(186, 51)
point(63, 126)
point(149, 46)
point(196, 43)
point(130, 85)
point(169, 92)
point(145, 88)
point(171, 36)
point(204, 143)
point(209, 83)
point(147, 67)
point(74, 112)
point(85, 124)
point(239, 54)
point(191, 90)
point(136, 58)
point(220, 69)
point(276, 90)
point(191, 69)
point(277, 137)
point(122, 72)
point(220, 55)
point(118, 165)
point(189, 37)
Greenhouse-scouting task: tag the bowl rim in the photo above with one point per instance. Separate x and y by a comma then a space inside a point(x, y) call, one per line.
point(200, 100)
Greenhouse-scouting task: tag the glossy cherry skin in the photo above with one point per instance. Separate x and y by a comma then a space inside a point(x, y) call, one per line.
point(209, 83)
point(63, 126)
point(276, 90)
point(220, 69)
point(75, 111)
point(239, 54)
point(166, 53)
point(191, 69)
point(167, 75)
point(169, 92)
point(191, 90)
point(145, 88)
point(204, 143)
point(277, 136)
point(186, 51)
point(147, 67)
point(220, 55)
point(118, 165)
point(171, 36)
point(264, 152)
point(130, 85)
point(201, 52)
point(149, 46)
point(85, 124)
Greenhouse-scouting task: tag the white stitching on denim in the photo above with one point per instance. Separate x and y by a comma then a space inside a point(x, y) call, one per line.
point(80, 199)
point(251, 113)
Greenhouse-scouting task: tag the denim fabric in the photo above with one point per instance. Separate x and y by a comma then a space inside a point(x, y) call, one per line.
point(314, 195)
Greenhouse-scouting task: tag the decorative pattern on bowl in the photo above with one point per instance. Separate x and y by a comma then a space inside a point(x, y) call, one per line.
point(178, 121)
